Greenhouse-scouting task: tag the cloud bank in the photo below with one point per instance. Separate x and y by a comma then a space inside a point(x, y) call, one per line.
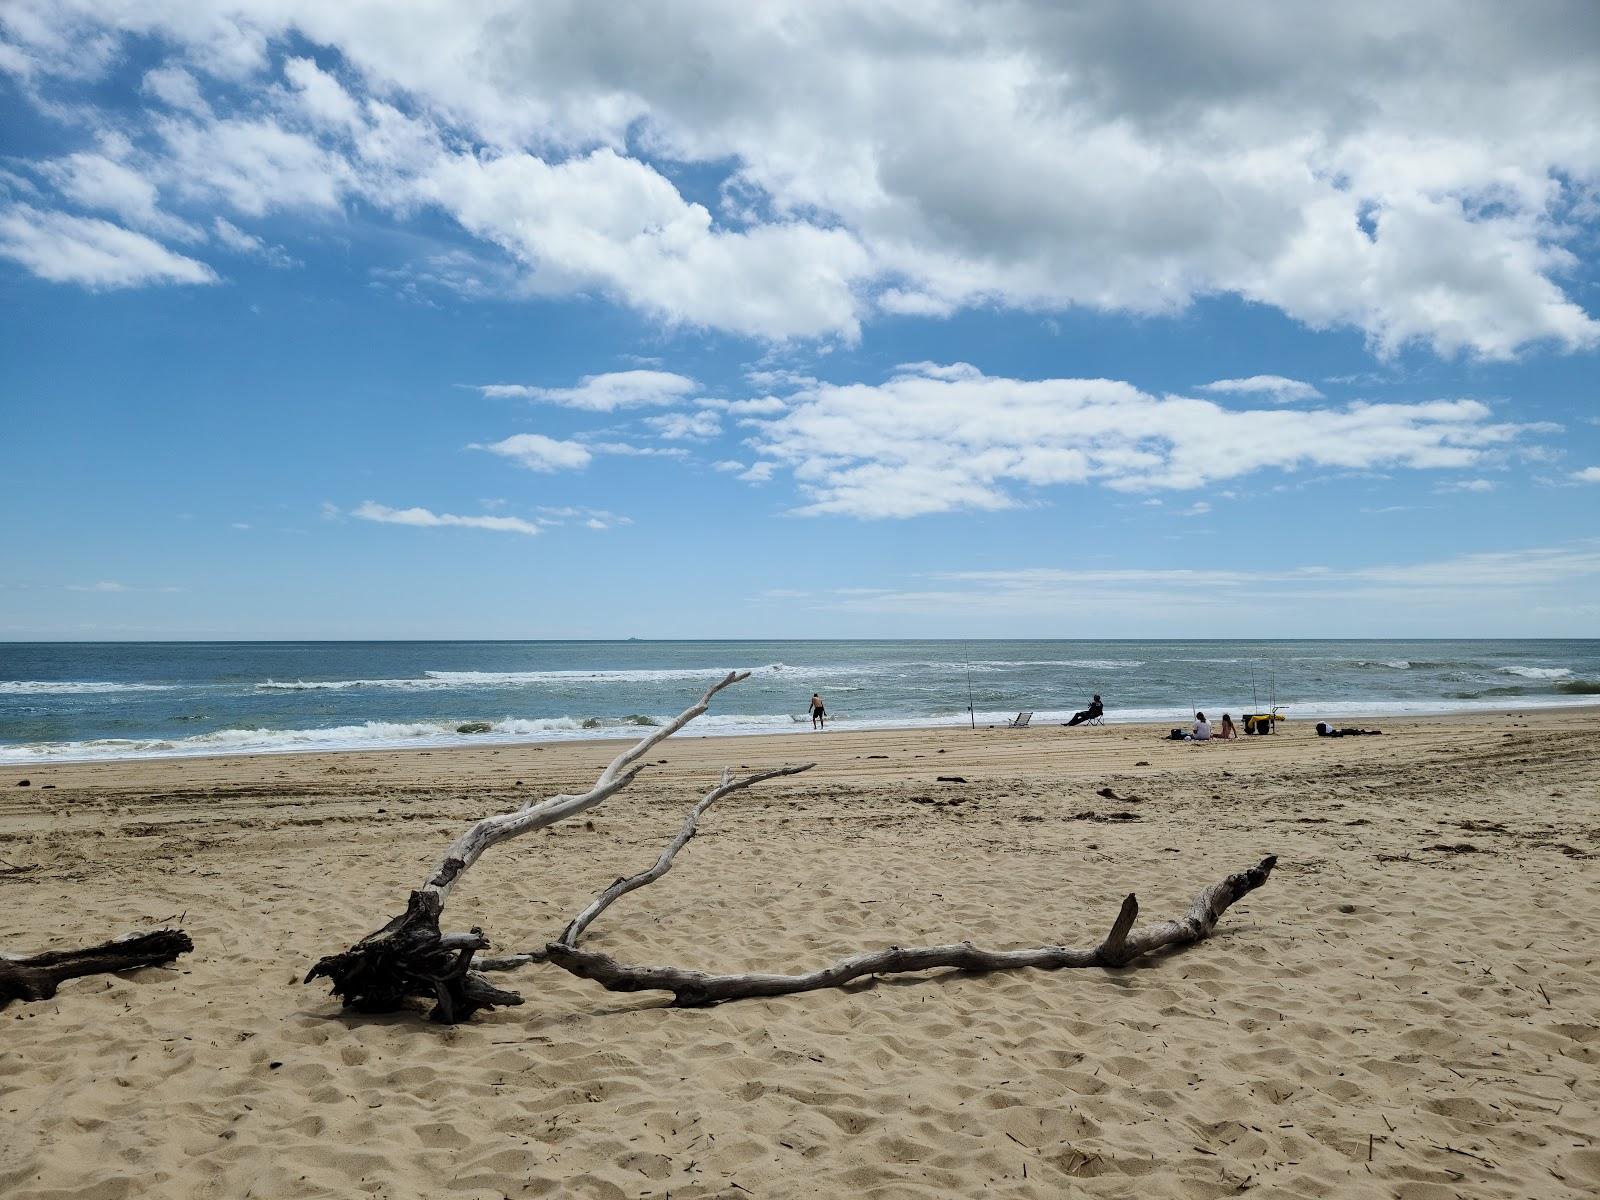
point(1347, 165)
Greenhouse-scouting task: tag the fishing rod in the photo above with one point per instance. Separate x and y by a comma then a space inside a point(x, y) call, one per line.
point(966, 657)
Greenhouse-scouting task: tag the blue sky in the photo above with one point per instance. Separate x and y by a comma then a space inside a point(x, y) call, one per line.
point(511, 320)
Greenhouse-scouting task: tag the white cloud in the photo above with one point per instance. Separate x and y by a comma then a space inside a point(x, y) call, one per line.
point(677, 426)
point(778, 377)
point(539, 453)
point(1587, 475)
point(423, 518)
point(253, 165)
point(614, 223)
point(728, 465)
point(237, 240)
point(100, 182)
point(105, 586)
point(1346, 165)
point(944, 438)
point(592, 518)
point(176, 88)
point(604, 393)
point(628, 450)
point(1444, 587)
point(1467, 485)
point(1274, 387)
point(91, 252)
point(764, 406)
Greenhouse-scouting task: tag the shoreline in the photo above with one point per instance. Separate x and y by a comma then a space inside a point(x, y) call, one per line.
point(1116, 740)
point(1342, 713)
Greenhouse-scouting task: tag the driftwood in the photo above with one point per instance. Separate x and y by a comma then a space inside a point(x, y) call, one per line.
point(1122, 944)
point(36, 976)
point(411, 957)
point(622, 886)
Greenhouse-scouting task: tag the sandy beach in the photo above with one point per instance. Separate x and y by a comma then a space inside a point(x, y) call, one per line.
point(1409, 1008)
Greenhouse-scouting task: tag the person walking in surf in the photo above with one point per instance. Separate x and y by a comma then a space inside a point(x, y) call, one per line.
point(818, 713)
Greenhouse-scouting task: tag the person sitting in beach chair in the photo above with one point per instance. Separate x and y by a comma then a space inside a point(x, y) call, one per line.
point(1093, 715)
point(1021, 722)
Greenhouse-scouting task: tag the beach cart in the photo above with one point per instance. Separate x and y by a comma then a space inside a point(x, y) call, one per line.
point(1262, 722)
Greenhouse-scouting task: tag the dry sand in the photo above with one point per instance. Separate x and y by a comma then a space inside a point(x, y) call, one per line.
point(1410, 1008)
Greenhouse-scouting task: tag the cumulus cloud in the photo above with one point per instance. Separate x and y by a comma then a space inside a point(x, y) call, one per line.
point(423, 518)
point(677, 426)
point(1273, 387)
point(614, 223)
point(1587, 475)
point(93, 253)
point(539, 453)
point(604, 393)
point(1346, 165)
point(943, 438)
point(97, 181)
point(177, 88)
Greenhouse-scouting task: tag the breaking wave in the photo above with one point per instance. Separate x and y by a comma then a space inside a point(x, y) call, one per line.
point(1538, 672)
point(52, 687)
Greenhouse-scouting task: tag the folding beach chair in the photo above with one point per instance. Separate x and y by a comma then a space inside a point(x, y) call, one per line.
point(1021, 722)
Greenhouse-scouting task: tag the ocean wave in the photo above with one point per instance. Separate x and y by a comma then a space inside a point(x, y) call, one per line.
point(1079, 664)
point(331, 685)
point(642, 675)
point(399, 735)
point(809, 675)
point(1538, 672)
point(53, 687)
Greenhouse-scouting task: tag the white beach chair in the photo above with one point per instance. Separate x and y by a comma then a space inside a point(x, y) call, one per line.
point(1021, 722)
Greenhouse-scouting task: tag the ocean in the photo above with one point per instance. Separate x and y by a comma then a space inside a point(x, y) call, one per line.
point(62, 702)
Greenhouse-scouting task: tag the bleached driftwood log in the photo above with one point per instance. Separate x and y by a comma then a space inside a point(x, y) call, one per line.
point(622, 886)
point(36, 976)
point(410, 956)
point(1121, 945)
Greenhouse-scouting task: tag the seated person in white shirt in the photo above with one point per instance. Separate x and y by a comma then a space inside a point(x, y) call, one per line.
point(1202, 728)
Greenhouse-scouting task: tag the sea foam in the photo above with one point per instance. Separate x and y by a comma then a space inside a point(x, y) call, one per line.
point(53, 687)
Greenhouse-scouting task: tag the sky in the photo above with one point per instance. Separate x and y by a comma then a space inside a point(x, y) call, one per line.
point(698, 318)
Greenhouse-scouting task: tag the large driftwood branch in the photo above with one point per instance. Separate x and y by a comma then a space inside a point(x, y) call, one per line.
point(36, 976)
point(410, 957)
point(576, 928)
point(1121, 945)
